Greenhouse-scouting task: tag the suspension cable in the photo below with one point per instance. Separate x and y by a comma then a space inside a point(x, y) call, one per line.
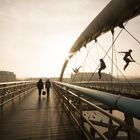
point(116, 62)
point(132, 35)
point(75, 64)
point(106, 53)
point(88, 52)
point(84, 62)
point(119, 70)
point(112, 31)
point(113, 62)
point(97, 48)
point(93, 59)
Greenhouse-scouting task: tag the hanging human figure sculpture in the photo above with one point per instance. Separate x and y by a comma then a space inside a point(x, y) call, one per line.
point(127, 59)
point(76, 70)
point(102, 66)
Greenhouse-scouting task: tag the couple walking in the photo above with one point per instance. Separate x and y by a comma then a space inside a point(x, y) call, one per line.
point(40, 86)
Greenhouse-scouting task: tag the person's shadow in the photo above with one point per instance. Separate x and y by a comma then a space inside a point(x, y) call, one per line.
point(48, 96)
point(39, 102)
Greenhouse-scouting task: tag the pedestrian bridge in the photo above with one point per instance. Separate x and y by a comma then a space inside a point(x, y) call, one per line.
point(24, 115)
point(107, 109)
point(69, 112)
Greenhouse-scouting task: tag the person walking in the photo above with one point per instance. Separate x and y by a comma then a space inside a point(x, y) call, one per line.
point(40, 86)
point(47, 86)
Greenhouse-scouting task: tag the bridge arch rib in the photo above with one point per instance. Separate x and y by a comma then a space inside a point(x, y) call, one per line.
point(114, 14)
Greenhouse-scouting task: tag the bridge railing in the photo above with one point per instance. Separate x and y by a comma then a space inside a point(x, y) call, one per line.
point(12, 90)
point(131, 89)
point(98, 113)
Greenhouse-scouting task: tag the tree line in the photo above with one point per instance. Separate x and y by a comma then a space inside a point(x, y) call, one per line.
point(6, 76)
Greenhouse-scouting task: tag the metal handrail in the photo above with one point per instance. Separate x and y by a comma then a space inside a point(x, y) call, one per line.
point(124, 104)
point(12, 90)
point(66, 91)
point(131, 89)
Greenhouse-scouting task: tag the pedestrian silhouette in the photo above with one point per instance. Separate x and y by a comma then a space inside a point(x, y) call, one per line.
point(102, 66)
point(127, 58)
point(47, 86)
point(40, 86)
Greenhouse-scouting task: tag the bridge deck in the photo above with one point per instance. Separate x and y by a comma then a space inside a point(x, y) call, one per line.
point(31, 118)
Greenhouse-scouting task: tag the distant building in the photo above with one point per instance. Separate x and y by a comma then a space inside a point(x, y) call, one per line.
point(6, 76)
point(89, 76)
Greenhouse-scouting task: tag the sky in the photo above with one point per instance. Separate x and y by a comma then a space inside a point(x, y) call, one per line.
point(36, 35)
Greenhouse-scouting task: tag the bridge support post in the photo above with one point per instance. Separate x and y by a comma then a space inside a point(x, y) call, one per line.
point(110, 128)
point(129, 121)
point(92, 132)
point(81, 111)
point(2, 98)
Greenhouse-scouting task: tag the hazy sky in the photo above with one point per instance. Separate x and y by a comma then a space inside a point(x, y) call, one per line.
point(35, 35)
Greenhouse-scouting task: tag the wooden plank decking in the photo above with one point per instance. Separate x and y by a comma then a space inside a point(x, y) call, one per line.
point(31, 118)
